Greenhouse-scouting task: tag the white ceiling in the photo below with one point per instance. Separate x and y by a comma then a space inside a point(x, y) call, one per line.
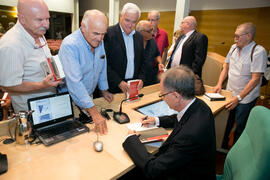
point(169, 5)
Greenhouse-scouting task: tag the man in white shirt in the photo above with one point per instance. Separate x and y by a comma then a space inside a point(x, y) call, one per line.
point(244, 65)
point(190, 48)
point(22, 49)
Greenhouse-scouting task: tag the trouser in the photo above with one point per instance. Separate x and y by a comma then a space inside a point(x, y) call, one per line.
point(239, 115)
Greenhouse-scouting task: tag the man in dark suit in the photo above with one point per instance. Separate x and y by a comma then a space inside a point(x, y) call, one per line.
point(191, 48)
point(124, 50)
point(189, 152)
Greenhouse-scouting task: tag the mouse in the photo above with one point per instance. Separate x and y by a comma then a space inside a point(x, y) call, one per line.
point(98, 146)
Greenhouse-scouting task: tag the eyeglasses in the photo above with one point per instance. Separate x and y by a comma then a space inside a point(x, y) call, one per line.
point(43, 42)
point(238, 36)
point(163, 95)
point(149, 31)
point(153, 19)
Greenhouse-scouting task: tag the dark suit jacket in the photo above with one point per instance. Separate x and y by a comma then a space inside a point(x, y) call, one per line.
point(188, 153)
point(194, 52)
point(117, 59)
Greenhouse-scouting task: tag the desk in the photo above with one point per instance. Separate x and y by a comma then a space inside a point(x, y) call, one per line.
point(75, 158)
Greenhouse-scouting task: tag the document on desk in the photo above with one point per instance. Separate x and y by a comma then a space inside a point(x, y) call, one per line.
point(138, 127)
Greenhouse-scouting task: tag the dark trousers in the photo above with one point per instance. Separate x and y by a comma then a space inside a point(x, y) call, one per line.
point(239, 115)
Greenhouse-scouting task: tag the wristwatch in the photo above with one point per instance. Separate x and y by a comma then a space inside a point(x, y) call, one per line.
point(239, 98)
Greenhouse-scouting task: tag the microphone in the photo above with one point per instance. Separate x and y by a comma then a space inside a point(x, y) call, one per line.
point(121, 117)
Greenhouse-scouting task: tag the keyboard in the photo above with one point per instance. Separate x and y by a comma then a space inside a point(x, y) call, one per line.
point(60, 132)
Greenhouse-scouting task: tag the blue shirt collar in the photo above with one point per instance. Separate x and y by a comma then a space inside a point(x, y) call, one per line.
point(123, 32)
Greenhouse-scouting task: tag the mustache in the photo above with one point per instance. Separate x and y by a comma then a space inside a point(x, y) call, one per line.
point(43, 29)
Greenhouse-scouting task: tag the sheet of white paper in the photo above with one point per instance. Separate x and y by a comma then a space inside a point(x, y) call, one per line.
point(139, 127)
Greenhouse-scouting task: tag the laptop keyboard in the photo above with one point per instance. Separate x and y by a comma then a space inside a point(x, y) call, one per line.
point(61, 132)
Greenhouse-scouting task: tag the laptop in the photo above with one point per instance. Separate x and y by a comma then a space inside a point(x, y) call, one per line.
point(53, 118)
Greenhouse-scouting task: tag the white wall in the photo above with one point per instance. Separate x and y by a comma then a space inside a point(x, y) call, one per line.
point(169, 5)
point(53, 5)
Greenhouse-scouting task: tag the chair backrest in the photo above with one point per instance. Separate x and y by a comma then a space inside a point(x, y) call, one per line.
point(249, 158)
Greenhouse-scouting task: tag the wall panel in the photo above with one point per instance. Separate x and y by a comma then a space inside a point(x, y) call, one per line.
point(220, 25)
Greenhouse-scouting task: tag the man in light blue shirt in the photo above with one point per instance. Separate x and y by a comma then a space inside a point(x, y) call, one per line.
point(83, 58)
point(124, 50)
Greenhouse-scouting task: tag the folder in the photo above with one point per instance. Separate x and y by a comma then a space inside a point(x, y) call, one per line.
point(214, 97)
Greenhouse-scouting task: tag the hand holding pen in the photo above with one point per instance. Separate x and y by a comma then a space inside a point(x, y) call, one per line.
point(148, 120)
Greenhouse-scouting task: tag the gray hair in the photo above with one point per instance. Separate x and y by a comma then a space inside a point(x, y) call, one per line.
point(248, 28)
point(192, 21)
point(156, 12)
point(139, 26)
point(131, 8)
point(180, 79)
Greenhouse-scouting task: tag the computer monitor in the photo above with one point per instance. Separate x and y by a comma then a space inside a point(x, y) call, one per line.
point(156, 109)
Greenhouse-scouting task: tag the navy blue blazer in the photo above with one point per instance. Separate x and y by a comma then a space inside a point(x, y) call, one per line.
point(117, 58)
point(188, 153)
point(194, 52)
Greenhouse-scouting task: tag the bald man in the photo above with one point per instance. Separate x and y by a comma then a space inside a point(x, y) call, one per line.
point(159, 34)
point(84, 61)
point(152, 59)
point(190, 48)
point(22, 49)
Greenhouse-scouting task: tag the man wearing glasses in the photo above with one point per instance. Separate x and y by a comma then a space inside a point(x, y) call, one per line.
point(159, 34)
point(189, 152)
point(245, 64)
point(152, 57)
point(22, 49)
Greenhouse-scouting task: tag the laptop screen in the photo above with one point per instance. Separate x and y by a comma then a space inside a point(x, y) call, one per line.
point(50, 109)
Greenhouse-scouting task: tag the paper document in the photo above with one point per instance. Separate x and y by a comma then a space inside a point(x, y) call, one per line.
point(139, 127)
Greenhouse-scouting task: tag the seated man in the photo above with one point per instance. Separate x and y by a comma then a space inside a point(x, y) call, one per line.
point(152, 57)
point(189, 152)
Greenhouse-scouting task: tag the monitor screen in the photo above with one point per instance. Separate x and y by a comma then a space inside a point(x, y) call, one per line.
point(156, 109)
point(51, 108)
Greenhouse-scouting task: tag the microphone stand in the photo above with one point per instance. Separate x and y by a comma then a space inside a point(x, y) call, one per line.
point(122, 117)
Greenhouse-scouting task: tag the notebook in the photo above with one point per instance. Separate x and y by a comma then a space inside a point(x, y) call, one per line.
point(53, 118)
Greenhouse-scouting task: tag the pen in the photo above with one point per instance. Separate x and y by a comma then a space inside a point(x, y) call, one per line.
point(144, 119)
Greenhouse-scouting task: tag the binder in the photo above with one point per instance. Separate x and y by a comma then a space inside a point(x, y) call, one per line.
point(214, 97)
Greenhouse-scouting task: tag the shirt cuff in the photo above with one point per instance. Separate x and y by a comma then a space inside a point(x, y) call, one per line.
point(157, 121)
point(129, 136)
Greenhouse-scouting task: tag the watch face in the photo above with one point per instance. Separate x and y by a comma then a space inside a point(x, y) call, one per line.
point(239, 97)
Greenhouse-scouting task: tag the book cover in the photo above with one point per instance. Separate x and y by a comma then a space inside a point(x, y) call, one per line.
point(133, 89)
point(214, 97)
point(151, 135)
point(53, 66)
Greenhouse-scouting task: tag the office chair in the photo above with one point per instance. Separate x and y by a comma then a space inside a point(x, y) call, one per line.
point(249, 158)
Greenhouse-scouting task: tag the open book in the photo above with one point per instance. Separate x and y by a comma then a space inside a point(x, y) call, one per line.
point(53, 66)
point(214, 97)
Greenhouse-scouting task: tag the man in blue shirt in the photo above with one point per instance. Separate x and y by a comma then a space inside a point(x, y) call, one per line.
point(83, 58)
point(124, 50)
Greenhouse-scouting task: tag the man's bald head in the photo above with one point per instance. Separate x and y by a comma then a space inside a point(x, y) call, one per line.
point(189, 23)
point(34, 16)
point(93, 27)
point(93, 16)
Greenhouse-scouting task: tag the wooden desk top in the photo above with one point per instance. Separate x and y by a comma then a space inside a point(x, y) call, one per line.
point(75, 158)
